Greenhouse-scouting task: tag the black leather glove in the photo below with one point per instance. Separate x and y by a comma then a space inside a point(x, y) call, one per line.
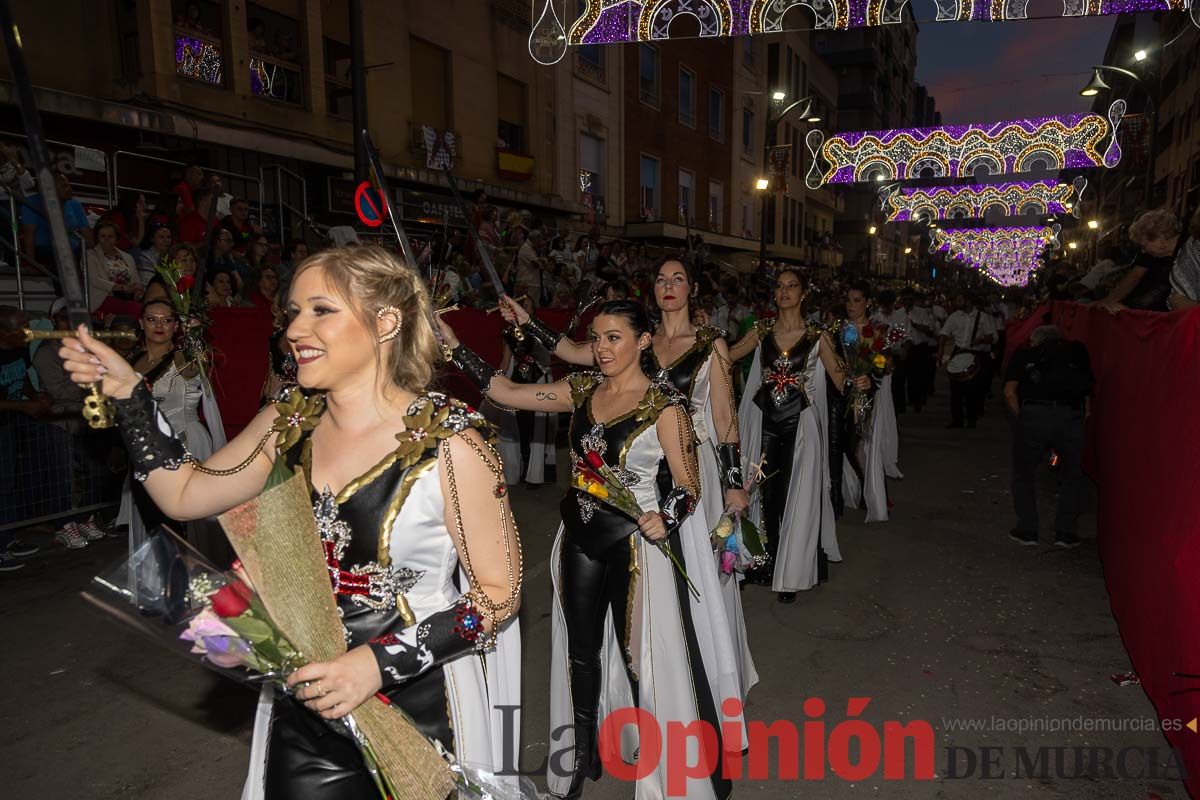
point(478, 370)
point(440, 637)
point(147, 434)
point(730, 457)
point(541, 333)
point(676, 507)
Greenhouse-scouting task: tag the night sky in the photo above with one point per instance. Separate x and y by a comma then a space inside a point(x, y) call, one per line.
point(990, 71)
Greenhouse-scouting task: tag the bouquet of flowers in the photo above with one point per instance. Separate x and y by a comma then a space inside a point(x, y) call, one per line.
point(596, 478)
point(289, 618)
point(192, 313)
point(736, 539)
point(867, 354)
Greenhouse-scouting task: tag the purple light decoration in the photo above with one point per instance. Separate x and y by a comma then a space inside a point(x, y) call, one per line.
point(621, 22)
point(977, 198)
point(1009, 146)
point(198, 59)
point(1009, 255)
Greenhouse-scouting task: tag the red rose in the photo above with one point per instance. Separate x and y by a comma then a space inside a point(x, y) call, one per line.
point(594, 459)
point(185, 283)
point(868, 332)
point(877, 345)
point(231, 600)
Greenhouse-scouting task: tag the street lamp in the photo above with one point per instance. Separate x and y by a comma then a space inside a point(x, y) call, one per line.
point(1140, 55)
point(871, 231)
point(908, 251)
point(1072, 245)
point(778, 98)
point(1093, 224)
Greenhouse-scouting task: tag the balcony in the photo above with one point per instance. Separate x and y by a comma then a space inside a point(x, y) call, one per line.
point(514, 166)
point(590, 64)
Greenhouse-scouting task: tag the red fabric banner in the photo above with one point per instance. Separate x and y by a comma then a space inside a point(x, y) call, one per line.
point(1142, 453)
point(241, 338)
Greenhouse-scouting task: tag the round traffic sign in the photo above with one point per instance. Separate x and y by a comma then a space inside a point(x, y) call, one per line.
point(369, 205)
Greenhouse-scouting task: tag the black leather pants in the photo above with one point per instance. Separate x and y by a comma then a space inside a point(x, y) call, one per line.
point(590, 587)
point(778, 446)
point(307, 758)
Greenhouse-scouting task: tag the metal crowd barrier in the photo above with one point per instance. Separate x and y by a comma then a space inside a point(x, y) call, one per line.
point(48, 472)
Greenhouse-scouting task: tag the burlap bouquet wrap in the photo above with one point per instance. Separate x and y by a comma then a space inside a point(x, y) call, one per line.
point(275, 536)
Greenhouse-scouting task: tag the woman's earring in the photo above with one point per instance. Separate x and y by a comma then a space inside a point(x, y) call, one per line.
point(395, 312)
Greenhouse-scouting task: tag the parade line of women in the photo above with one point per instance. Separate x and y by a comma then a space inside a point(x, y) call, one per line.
point(630, 628)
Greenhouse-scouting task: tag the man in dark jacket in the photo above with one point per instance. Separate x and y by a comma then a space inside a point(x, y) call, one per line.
point(1047, 389)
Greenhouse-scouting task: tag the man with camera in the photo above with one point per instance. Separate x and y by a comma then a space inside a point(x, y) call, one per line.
point(1047, 389)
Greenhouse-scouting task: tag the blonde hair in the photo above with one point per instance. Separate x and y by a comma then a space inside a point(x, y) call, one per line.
point(1153, 226)
point(370, 279)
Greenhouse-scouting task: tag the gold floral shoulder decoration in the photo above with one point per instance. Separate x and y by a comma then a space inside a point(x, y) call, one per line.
point(431, 418)
point(763, 327)
point(657, 398)
point(707, 334)
point(298, 414)
point(582, 385)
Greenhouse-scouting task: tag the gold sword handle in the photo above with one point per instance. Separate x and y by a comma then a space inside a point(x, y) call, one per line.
point(97, 409)
point(34, 336)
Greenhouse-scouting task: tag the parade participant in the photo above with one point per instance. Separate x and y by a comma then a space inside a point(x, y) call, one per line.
point(624, 633)
point(871, 436)
point(182, 392)
point(782, 419)
point(526, 437)
point(417, 520)
point(693, 360)
point(968, 336)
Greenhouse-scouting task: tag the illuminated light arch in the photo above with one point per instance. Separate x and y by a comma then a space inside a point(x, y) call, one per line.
point(939, 165)
point(1009, 255)
point(715, 17)
point(1048, 196)
point(992, 159)
point(766, 16)
point(1074, 141)
point(1034, 153)
point(871, 170)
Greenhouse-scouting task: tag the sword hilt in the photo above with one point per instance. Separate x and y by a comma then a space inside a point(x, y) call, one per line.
point(32, 336)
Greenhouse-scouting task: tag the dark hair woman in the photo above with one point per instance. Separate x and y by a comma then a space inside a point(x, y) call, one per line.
point(782, 419)
point(694, 361)
point(605, 564)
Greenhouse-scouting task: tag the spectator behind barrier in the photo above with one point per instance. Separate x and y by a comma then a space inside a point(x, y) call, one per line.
point(1148, 284)
point(35, 228)
point(1185, 274)
point(113, 283)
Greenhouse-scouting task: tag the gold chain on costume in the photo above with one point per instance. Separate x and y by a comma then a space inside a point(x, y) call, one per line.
point(493, 612)
point(726, 376)
point(688, 448)
point(223, 473)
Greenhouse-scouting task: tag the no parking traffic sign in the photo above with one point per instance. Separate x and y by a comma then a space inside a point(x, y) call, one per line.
point(369, 205)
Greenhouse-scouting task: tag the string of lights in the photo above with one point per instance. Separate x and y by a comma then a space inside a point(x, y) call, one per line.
point(1010, 256)
point(613, 21)
point(927, 204)
point(996, 148)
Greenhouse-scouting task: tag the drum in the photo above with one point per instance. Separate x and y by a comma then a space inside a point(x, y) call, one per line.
point(962, 367)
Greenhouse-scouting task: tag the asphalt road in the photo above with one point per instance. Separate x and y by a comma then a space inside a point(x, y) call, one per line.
point(934, 616)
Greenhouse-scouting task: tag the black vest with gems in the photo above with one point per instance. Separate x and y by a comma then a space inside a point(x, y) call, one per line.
point(782, 394)
point(356, 524)
point(681, 373)
point(595, 526)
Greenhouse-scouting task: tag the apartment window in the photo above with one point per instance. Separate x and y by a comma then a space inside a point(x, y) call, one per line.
point(716, 113)
point(429, 77)
point(650, 183)
point(649, 75)
point(275, 55)
point(511, 114)
point(687, 196)
point(716, 206)
point(199, 48)
point(339, 95)
point(748, 130)
point(591, 168)
point(687, 97)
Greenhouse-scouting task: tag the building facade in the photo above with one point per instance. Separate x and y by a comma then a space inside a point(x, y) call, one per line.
point(1177, 146)
point(875, 69)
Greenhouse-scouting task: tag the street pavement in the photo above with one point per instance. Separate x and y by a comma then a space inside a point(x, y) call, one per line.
point(935, 616)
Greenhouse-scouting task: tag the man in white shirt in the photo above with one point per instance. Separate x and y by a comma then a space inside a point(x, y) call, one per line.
point(922, 332)
point(968, 330)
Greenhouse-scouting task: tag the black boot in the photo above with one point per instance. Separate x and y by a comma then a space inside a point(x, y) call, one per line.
point(585, 697)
